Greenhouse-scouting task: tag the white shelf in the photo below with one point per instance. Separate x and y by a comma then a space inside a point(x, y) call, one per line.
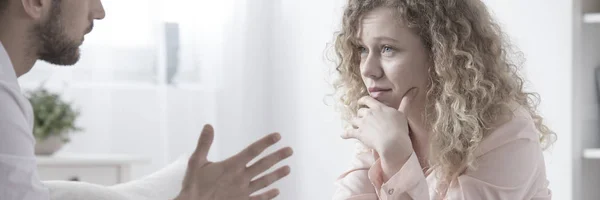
point(118, 85)
point(591, 18)
point(591, 153)
point(89, 159)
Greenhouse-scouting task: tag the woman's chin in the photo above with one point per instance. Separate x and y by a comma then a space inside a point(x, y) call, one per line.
point(388, 104)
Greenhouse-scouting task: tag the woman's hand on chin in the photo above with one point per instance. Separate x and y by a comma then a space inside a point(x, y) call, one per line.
point(385, 130)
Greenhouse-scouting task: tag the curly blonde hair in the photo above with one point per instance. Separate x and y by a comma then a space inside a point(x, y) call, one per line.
point(472, 81)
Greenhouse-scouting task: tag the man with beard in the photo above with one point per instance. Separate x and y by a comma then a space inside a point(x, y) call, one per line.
point(52, 31)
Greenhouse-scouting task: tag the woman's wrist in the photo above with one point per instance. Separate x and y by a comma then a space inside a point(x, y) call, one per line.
point(392, 160)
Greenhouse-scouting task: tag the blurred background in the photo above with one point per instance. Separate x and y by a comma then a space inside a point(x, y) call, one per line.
point(155, 71)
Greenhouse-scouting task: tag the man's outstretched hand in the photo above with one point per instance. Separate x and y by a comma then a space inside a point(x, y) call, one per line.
point(233, 179)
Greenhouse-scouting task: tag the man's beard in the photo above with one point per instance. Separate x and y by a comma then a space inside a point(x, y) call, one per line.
point(55, 46)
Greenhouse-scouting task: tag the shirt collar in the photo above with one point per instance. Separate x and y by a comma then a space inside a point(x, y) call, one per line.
point(7, 71)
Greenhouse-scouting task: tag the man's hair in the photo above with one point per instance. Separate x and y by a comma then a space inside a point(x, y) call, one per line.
point(3, 4)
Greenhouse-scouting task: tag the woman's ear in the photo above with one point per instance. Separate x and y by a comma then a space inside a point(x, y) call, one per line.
point(35, 8)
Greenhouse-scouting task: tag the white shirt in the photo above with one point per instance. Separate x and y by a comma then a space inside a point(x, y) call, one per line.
point(18, 168)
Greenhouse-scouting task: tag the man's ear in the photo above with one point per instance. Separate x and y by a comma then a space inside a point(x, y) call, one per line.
point(35, 8)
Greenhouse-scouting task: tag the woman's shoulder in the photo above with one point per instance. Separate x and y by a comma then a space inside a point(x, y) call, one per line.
point(519, 126)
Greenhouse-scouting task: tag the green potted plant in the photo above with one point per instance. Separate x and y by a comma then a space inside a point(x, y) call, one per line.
point(54, 120)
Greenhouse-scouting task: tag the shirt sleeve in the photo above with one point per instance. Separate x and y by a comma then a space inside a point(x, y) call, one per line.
point(408, 183)
point(514, 170)
point(354, 184)
point(18, 167)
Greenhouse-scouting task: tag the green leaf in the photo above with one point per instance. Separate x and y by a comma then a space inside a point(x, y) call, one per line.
point(52, 115)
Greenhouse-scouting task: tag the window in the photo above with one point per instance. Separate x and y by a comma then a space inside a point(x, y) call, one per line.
point(160, 42)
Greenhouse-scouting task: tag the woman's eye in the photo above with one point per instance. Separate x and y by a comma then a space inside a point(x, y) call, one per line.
point(387, 49)
point(362, 50)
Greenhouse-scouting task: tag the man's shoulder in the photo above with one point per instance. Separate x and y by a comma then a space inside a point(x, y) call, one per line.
point(16, 114)
point(11, 97)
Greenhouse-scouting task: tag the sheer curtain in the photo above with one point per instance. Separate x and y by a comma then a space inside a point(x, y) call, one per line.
point(279, 83)
point(138, 95)
point(122, 48)
point(115, 85)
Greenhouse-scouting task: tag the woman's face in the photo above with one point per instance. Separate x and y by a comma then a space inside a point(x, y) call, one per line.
point(393, 59)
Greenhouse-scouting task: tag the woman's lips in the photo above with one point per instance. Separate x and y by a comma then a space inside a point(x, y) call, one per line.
point(379, 93)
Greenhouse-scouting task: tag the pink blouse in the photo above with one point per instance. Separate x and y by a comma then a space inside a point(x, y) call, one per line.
point(510, 166)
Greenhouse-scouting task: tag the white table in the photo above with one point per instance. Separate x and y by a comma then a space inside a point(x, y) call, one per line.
point(98, 169)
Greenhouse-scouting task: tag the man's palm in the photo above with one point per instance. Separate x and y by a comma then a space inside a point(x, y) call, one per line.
point(232, 179)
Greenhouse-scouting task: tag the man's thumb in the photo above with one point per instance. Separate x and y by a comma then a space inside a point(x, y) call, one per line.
point(205, 141)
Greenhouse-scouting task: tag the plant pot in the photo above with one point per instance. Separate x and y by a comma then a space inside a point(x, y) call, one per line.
point(50, 145)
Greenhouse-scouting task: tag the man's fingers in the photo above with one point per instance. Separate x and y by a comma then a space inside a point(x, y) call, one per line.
point(255, 149)
point(269, 161)
point(407, 100)
point(204, 142)
point(268, 195)
point(269, 179)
